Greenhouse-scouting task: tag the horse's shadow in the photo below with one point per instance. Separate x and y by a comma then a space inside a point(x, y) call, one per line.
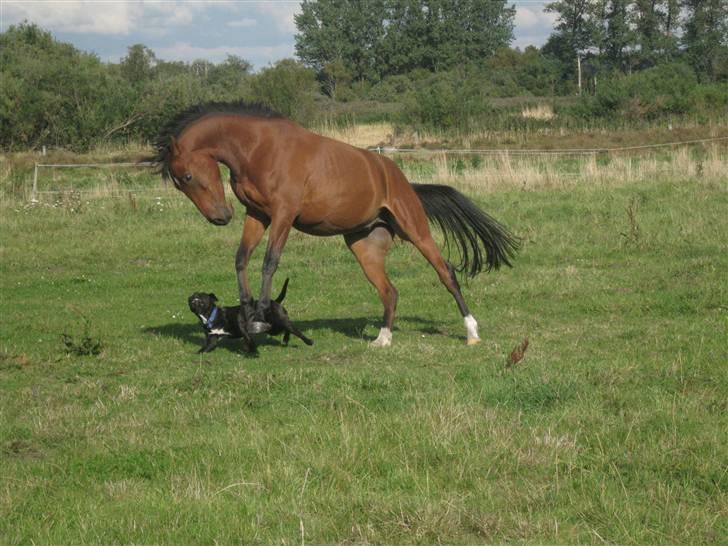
point(351, 327)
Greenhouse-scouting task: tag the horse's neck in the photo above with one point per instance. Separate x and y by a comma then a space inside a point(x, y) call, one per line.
point(230, 141)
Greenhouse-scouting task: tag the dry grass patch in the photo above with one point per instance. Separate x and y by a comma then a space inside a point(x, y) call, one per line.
point(539, 111)
point(361, 136)
point(505, 171)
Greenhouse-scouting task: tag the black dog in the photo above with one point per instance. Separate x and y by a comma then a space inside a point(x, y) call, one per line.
point(219, 322)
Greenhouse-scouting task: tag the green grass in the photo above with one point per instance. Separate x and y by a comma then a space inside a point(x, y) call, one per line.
point(612, 429)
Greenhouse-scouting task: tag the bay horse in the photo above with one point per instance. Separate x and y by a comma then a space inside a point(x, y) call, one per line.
point(286, 176)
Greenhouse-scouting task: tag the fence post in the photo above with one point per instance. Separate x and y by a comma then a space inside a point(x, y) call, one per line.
point(34, 196)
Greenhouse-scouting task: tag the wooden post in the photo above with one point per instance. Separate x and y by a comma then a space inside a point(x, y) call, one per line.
point(578, 70)
point(34, 195)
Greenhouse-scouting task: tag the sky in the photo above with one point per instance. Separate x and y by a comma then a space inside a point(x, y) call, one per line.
point(185, 30)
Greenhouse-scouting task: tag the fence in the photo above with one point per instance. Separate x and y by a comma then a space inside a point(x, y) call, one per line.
point(569, 151)
point(35, 192)
point(589, 153)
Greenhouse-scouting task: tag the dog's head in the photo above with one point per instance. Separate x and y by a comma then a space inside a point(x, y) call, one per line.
point(202, 303)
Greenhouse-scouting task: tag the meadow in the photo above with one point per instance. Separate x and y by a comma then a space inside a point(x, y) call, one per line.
point(612, 429)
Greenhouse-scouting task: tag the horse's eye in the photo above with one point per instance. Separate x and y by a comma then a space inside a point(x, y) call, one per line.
point(188, 177)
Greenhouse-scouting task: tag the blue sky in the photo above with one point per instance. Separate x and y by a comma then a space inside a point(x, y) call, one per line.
point(184, 30)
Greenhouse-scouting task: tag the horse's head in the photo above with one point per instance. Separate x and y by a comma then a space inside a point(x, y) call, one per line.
point(197, 175)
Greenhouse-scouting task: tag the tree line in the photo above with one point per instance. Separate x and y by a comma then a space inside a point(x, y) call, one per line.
point(625, 36)
point(370, 40)
point(53, 94)
point(439, 62)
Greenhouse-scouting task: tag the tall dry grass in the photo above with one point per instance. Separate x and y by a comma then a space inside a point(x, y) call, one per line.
point(540, 111)
point(486, 172)
point(507, 171)
point(360, 135)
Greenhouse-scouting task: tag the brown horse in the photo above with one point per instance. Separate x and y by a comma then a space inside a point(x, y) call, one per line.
point(286, 176)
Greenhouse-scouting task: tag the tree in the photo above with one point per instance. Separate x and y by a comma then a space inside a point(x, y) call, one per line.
point(618, 37)
point(576, 29)
point(138, 64)
point(288, 87)
point(654, 23)
point(706, 38)
point(335, 31)
point(379, 38)
point(231, 78)
point(53, 94)
point(575, 23)
point(408, 39)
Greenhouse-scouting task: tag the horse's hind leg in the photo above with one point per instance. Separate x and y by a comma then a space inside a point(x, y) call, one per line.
point(413, 226)
point(370, 249)
point(446, 272)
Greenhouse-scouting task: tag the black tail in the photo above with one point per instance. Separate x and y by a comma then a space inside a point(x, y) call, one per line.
point(480, 239)
point(282, 295)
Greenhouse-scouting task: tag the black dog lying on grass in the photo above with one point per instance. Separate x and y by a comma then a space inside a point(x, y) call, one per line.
point(219, 322)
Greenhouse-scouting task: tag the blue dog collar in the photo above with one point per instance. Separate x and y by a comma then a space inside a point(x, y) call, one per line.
point(211, 319)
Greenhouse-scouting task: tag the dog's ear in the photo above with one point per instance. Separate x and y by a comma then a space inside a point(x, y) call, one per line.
point(213, 297)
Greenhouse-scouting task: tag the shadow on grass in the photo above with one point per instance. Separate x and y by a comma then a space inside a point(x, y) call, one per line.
point(350, 327)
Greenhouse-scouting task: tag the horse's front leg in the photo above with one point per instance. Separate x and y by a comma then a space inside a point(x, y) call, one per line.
point(253, 230)
point(279, 229)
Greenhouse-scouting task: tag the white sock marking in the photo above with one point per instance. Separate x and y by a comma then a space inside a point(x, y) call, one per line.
point(471, 325)
point(384, 339)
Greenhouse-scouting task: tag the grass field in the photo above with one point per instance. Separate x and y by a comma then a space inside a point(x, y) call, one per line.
point(612, 429)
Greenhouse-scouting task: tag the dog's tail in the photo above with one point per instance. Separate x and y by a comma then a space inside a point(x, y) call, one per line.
point(282, 295)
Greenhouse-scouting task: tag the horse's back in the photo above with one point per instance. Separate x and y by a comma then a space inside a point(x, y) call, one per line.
point(344, 187)
point(338, 187)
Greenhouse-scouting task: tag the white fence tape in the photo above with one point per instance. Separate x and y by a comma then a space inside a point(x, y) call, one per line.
point(389, 150)
point(517, 151)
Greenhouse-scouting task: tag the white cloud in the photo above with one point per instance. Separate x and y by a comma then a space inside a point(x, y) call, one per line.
point(532, 17)
point(101, 17)
point(184, 51)
point(246, 22)
point(82, 17)
point(282, 13)
point(532, 24)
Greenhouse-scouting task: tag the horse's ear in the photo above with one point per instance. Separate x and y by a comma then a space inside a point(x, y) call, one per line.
point(173, 146)
point(213, 297)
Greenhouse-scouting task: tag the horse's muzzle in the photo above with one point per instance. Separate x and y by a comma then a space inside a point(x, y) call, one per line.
point(222, 218)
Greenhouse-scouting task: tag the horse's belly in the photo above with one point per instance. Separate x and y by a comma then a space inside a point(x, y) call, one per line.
point(332, 227)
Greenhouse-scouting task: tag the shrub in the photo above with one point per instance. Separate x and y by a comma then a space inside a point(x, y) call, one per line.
point(664, 89)
point(288, 87)
point(392, 88)
point(447, 100)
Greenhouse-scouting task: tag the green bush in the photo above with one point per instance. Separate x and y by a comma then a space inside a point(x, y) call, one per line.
point(289, 88)
point(52, 94)
point(447, 100)
point(711, 98)
point(392, 88)
point(662, 90)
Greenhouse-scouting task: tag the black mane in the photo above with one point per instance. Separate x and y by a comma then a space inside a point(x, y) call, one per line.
point(183, 119)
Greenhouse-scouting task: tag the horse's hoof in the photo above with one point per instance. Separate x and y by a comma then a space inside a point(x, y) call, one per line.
point(473, 340)
point(258, 327)
point(384, 339)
